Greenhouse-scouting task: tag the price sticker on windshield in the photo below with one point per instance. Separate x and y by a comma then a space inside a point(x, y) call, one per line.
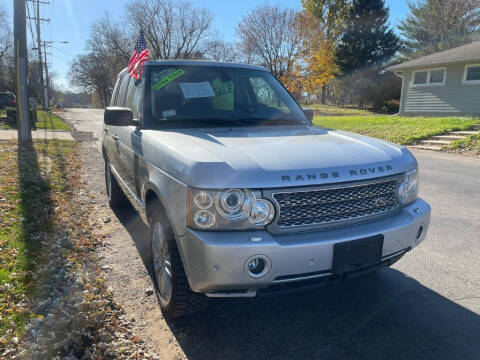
point(168, 79)
point(197, 90)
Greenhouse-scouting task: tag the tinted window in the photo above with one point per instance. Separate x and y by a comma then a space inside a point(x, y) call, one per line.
point(265, 95)
point(123, 90)
point(220, 95)
point(115, 92)
point(134, 97)
point(6, 97)
point(473, 73)
point(420, 77)
point(437, 76)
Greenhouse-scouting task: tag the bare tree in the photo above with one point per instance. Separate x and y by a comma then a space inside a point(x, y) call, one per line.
point(109, 50)
point(222, 51)
point(111, 38)
point(93, 73)
point(173, 29)
point(268, 35)
point(7, 64)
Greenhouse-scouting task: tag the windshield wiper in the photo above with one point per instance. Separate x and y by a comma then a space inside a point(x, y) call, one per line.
point(259, 121)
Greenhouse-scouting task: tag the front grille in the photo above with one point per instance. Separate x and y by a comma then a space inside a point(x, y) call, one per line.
point(334, 206)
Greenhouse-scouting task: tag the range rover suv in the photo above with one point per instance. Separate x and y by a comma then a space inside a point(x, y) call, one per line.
point(243, 196)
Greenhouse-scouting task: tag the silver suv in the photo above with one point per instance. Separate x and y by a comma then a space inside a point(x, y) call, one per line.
point(242, 194)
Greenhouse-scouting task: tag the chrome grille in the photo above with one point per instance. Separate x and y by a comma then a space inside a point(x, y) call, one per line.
point(335, 205)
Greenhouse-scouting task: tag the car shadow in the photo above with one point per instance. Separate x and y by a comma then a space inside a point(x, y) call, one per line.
point(386, 315)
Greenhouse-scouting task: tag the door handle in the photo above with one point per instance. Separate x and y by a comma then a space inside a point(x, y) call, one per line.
point(115, 137)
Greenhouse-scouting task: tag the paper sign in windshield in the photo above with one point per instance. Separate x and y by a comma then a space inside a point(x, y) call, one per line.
point(197, 90)
point(167, 79)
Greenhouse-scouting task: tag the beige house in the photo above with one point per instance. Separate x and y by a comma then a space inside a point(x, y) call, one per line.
point(445, 83)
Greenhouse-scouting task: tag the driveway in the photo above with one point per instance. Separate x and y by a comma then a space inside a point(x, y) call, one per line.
point(427, 306)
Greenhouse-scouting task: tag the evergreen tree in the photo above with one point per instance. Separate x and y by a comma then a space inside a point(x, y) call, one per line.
point(436, 25)
point(367, 40)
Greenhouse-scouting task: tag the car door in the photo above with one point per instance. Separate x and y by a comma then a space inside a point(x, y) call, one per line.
point(118, 134)
point(130, 137)
point(108, 130)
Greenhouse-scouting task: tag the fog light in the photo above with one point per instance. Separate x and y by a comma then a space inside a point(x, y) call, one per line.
point(257, 266)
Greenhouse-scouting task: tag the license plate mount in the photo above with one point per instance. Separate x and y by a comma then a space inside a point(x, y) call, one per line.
point(357, 254)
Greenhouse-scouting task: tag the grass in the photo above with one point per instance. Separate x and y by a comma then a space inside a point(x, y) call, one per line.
point(469, 144)
point(50, 121)
point(45, 120)
point(332, 110)
point(33, 183)
point(400, 130)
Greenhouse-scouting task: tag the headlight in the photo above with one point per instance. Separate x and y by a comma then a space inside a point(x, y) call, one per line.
point(408, 188)
point(228, 209)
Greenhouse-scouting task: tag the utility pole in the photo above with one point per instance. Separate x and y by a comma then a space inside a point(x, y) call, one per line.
point(47, 80)
point(38, 20)
point(20, 39)
point(39, 48)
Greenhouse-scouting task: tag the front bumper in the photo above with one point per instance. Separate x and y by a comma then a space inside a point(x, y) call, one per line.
point(215, 261)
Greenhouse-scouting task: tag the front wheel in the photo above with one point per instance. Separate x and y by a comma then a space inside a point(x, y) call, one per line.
point(171, 284)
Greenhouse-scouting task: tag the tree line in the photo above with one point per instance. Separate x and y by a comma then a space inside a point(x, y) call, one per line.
point(329, 51)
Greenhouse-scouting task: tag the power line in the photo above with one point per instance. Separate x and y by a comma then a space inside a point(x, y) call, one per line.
point(63, 51)
point(42, 64)
point(30, 23)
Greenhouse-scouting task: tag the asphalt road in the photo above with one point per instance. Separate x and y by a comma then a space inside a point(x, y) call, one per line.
point(427, 306)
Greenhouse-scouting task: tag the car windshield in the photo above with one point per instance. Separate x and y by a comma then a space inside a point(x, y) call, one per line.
point(220, 95)
point(6, 97)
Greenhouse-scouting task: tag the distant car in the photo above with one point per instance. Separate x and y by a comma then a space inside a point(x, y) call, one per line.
point(7, 100)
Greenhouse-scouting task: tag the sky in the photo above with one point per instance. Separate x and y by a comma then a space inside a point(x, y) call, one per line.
point(71, 20)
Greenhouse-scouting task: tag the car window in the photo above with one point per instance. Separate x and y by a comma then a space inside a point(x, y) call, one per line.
point(6, 97)
point(265, 95)
point(134, 97)
point(219, 95)
point(123, 90)
point(115, 92)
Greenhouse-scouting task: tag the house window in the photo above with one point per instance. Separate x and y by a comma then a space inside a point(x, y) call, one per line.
point(437, 76)
point(420, 77)
point(429, 77)
point(472, 73)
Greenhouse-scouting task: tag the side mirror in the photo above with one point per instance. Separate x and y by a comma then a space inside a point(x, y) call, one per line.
point(308, 113)
point(119, 116)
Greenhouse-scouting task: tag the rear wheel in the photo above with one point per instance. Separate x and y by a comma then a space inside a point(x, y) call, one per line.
point(171, 284)
point(115, 195)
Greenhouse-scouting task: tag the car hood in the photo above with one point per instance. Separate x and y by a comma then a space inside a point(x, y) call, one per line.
point(266, 157)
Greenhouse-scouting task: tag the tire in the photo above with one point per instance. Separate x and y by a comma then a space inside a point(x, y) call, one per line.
point(170, 280)
point(115, 195)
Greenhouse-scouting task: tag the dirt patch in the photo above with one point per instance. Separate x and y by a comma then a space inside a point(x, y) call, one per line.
point(123, 258)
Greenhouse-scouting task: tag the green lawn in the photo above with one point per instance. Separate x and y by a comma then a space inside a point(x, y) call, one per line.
point(32, 185)
point(397, 129)
point(46, 120)
point(332, 110)
point(470, 144)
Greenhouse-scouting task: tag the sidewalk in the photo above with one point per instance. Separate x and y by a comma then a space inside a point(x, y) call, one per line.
point(38, 135)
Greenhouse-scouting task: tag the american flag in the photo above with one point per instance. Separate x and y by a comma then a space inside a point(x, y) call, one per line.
point(139, 56)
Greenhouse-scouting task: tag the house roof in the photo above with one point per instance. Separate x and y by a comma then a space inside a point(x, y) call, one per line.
point(464, 53)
